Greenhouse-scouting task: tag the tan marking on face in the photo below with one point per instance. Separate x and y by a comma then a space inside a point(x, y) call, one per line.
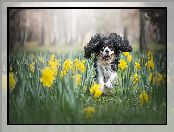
point(105, 62)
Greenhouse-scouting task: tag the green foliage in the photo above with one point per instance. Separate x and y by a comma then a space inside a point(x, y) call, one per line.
point(64, 102)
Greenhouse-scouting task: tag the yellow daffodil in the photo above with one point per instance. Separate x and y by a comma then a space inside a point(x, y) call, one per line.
point(76, 61)
point(12, 81)
point(77, 78)
point(95, 90)
point(32, 67)
point(150, 65)
point(150, 77)
point(122, 64)
point(149, 55)
point(67, 65)
point(129, 58)
point(52, 57)
point(126, 53)
point(144, 97)
point(135, 78)
point(157, 78)
point(79, 65)
point(54, 63)
point(89, 112)
point(47, 77)
point(137, 66)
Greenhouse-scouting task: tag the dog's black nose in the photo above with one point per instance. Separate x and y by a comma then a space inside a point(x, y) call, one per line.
point(107, 51)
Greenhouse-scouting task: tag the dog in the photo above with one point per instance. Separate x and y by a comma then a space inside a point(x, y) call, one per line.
point(106, 50)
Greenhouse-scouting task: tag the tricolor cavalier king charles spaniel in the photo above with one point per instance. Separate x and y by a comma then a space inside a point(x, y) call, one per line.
point(106, 49)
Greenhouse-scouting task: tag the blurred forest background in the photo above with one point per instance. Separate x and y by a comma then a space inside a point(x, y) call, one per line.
point(60, 29)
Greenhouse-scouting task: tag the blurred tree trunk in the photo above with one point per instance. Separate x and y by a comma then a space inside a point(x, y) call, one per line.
point(162, 27)
point(14, 27)
point(125, 33)
point(157, 18)
point(23, 36)
point(42, 37)
point(42, 32)
point(143, 44)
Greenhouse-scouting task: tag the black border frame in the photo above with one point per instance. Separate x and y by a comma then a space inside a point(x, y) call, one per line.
point(8, 8)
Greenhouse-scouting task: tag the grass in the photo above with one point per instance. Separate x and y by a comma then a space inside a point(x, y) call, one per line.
point(32, 103)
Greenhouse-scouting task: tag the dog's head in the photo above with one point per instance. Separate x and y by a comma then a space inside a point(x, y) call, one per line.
point(107, 51)
point(106, 46)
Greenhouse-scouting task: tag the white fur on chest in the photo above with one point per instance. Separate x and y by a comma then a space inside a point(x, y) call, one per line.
point(106, 76)
point(104, 70)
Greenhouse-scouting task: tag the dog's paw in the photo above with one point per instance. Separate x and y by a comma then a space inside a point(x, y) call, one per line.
point(108, 84)
point(102, 88)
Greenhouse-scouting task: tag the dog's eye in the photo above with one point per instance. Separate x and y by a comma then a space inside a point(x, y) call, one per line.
point(111, 48)
point(102, 48)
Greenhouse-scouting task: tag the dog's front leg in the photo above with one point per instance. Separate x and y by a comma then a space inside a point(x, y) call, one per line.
point(111, 79)
point(101, 82)
point(100, 78)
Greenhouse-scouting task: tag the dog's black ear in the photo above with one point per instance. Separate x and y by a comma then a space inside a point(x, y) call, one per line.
point(120, 43)
point(93, 45)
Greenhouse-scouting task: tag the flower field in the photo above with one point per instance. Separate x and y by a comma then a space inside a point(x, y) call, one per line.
point(53, 88)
